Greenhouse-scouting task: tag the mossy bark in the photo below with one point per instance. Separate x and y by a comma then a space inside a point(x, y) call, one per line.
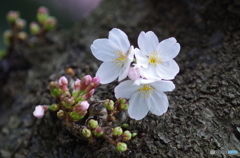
point(204, 110)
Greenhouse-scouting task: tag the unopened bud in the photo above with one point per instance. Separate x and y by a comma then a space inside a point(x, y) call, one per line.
point(50, 23)
point(34, 28)
point(85, 82)
point(96, 81)
point(22, 35)
point(61, 114)
point(7, 36)
point(12, 16)
point(63, 83)
point(82, 106)
point(121, 100)
point(93, 124)
point(53, 107)
point(98, 132)
point(123, 107)
point(39, 111)
point(126, 135)
point(134, 134)
point(86, 133)
point(125, 125)
point(117, 131)
point(76, 116)
point(77, 84)
point(42, 14)
point(121, 146)
point(68, 102)
point(89, 94)
point(20, 23)
point(109, 104)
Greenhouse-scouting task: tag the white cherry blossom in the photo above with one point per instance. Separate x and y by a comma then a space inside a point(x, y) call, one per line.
point(116, 54)
point(144, 95)
point(156, 59)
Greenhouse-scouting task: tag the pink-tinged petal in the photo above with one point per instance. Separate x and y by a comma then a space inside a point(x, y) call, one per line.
point(125, 89)
point(143, 81)
point(167, 69)
point(168, 49)
point(108, 72)
point(157, 103)
point(103, 50)
point(138, 108)
point(147, 42)
point(39, 111)
point(163, 86)
point(120, 39)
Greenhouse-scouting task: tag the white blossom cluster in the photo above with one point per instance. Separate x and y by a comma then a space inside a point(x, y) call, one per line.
point(149, 69)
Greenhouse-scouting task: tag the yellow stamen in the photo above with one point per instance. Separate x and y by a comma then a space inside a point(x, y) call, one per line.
point(145, 90)
point(119, 59)
point(154, 59)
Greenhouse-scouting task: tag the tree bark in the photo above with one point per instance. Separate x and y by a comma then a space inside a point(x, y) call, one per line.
point(204, 111)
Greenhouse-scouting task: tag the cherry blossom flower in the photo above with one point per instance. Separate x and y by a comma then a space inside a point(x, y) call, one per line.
point(116, 54)
point(144, 95)
point(156, 59)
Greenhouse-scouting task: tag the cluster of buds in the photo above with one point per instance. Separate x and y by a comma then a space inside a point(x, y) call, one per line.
point(15, 34)
point(44, 23)
point(89, 122)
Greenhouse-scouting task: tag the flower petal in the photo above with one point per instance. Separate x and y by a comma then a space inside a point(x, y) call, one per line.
point(163, 86)
point(120, 39)
point(125, 89)
point(142, 60)
point(167, 69)
point(168, 49)
point(108, 72)
point(138, 108)
point(150, 72)
point(147, 42)
point(103, 50)
point(157, 103)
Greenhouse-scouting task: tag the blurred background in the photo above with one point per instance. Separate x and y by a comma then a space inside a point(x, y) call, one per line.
point(67, 12)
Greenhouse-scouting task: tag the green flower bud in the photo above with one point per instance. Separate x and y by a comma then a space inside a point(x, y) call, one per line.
point(121, 100)
point(12, 16)
point(134, 134)
point(93, 124)
point(53, 107)
point(125, 125)
point(109, 104)
point(55, 92)
point(42, 14)
point(86, 133)
point(121, 146)
point(98, 132)
point(117, 131)
point(61, 114)
point(50, 23)
point(123, 107)
point(75, 116)
point(7, 36)
point(126, 135)
point(34, 28)
point(20, 23)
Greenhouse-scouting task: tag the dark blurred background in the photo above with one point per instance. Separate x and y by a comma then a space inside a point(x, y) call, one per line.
point(66, 11)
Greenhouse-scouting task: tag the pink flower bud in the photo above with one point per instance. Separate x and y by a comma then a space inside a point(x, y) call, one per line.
point(86, 80)
point(63, 83)
point(96, 81)
point(89, 94)
point(77, 84)
point(43, 10)
point(134, 72)
point(84, 104)
point(81, 106)
point(39, 111)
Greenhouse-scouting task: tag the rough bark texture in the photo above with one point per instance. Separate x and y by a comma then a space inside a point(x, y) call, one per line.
point(204, 110)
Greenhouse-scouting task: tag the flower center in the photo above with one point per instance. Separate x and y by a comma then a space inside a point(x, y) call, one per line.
point(154, 59)
point(145, 90)
point(119, 59)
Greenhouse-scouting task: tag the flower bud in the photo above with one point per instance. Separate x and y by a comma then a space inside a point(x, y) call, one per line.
point(86, 80)
point(117, 131)
point(121, 146)
point(12, 16)
point(86, 133)
point(88, 95)
point(50, 23)
point(125, 125)
point(20, 23)
point(76, 116)
point(34, 28)
point(134, 134)
point(77, 84)
point(63, 83)
point(96, 81)
point(123, 107)
point(121, 100)
point(7, 36)
point(22, 36)
point(42, 14)
point(53, 107)
point(134, 72)
point(93, 124)
point(39, 111)
point(98, 132)
point(126, 135)
point(81, 106)
point(61, 114)
point(108, 104)
point(68, 102)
